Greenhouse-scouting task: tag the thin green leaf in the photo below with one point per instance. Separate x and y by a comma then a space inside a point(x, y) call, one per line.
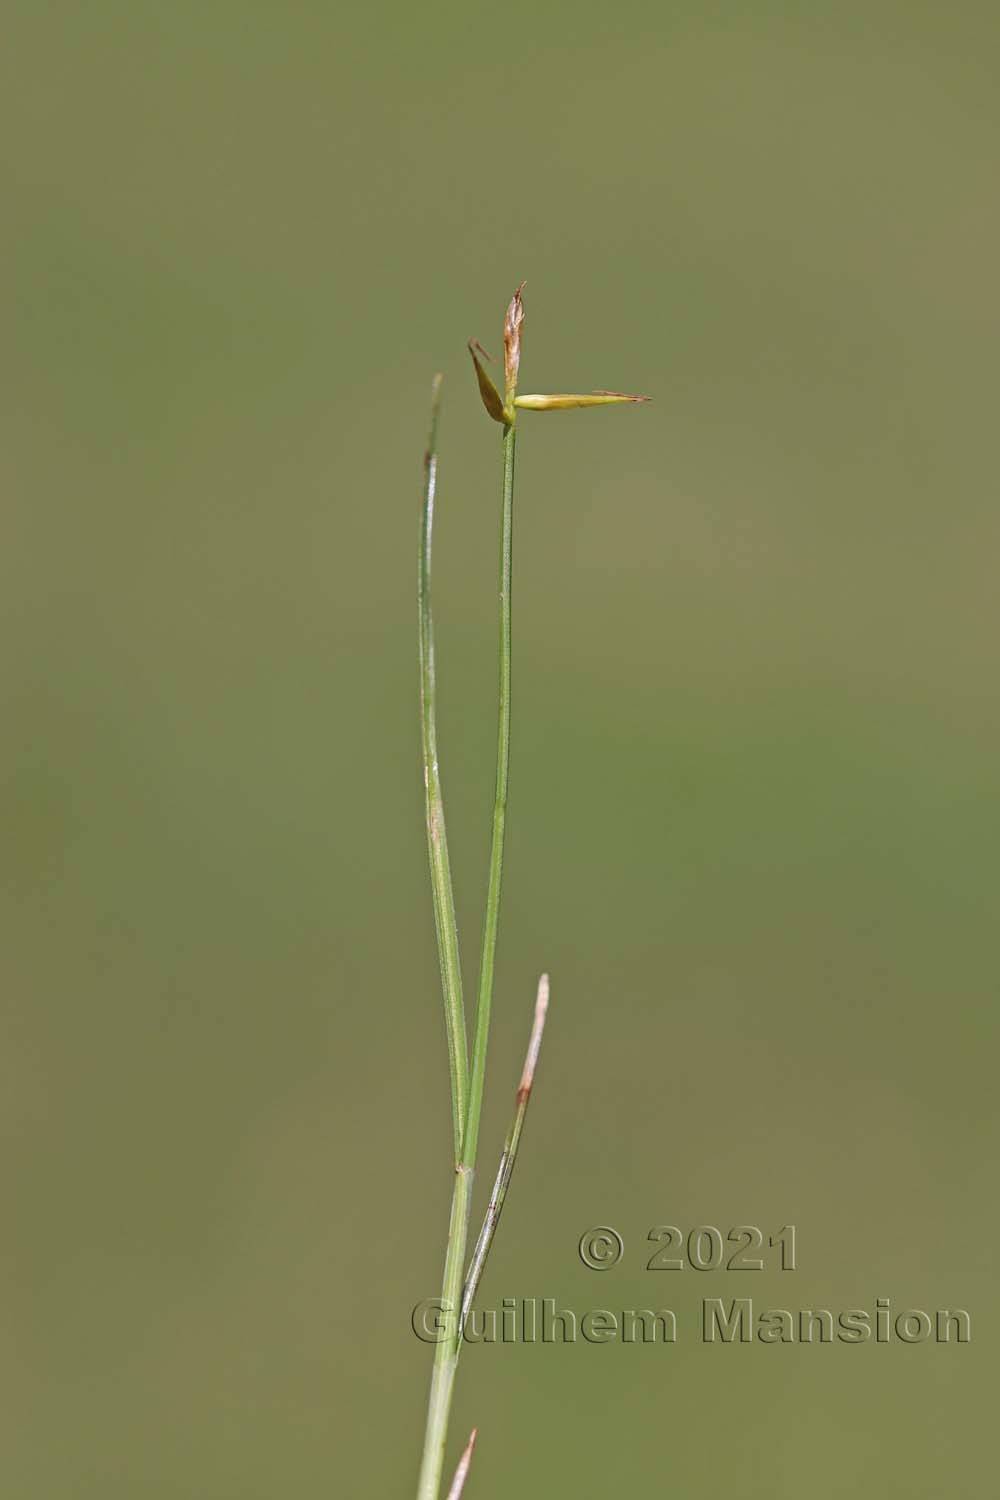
point(437, 839)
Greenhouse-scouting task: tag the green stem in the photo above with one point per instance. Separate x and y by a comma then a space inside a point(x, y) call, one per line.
point(447, 1352)
point(488, 961)
point(437, 840)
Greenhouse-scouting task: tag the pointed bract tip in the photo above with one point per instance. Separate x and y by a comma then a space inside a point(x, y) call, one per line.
point(622, 396)
point(461, 1473)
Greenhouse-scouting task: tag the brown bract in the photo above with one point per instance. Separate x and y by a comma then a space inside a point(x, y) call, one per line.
point(487, 390)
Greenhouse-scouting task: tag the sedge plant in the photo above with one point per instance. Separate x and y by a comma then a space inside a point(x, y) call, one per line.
point(462, 1271)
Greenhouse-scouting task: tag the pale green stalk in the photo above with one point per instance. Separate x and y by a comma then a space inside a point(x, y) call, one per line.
point(446, 1353)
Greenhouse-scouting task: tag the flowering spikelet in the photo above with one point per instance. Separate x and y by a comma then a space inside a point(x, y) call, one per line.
point(512, 344)
point(504, 409)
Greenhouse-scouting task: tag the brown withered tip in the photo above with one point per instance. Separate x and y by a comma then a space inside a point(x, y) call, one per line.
point(462, 1472)
point(512, 341)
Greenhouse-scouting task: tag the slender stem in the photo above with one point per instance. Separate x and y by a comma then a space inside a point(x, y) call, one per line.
point(508, 1157)
point(447, 1351)
point(437, 841)
point(488, 961)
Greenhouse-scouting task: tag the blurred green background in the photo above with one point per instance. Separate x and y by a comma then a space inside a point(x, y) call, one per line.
point(754, 824)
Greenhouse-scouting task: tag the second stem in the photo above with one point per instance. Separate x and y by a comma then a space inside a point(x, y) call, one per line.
point(477, 1072)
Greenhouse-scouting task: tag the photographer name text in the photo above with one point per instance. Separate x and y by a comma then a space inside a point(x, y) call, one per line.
point(540, 1320)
